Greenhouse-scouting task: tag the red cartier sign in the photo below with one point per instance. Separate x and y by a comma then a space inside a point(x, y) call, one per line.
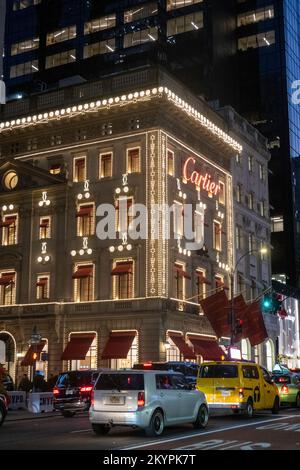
point(200, 181)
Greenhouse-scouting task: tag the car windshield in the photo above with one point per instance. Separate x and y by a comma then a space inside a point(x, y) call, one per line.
point(73, 379)
point(120, 382)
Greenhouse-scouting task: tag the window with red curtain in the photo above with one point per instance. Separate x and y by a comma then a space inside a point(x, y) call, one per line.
point(133, 160)
point(79, 169)
point(106, 165)
point(85, 220)
point(123, 277)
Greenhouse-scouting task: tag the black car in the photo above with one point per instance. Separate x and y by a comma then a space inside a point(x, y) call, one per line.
point(72, 391)
point(3, 407)
point(8, 383)
point(188, 369)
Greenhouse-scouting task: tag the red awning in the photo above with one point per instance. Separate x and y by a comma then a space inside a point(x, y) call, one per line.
point(184, 349)
point(118, 345)
point(36, 348)
point(8, 221)
point(217, 309)
point(180, 272)
point(221, 284)
point(206, 347)
point(83, 271)
point(122, 268)
point(44, 223)
point(7, 279)
point(84, 211)
point(254, 326)
point(42, 282)
point(202, 279)
point(78, 346)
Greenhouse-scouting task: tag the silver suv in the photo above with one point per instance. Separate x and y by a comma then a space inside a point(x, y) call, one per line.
point(149, 400)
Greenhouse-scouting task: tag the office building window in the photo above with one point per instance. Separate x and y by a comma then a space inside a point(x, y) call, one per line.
point(217, 236)
point(26, 68)
point(7, 287)
point(134, 160)
point(45, 228)
point(83, 282)
point(140, 12)
point(183, 24)
point(123, 279)
point(99, 24)
point(43, 287)
point(21, 4)
point(139, 37)
point(277, 224)
point(79, 168)
point(63, 34)
point(97, 48)
point(25, 46)
point(256, 40)
point(85, 220)
point(65, 57)
point(9, 226)
point(174, 4)
point(106, 165)
point(255, 16)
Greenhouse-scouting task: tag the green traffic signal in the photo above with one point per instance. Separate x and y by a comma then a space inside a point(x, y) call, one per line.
point(267, 303)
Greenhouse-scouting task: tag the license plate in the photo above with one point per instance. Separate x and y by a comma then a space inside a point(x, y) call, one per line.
point(69, 392)
point(225, 393)
point(115, 400)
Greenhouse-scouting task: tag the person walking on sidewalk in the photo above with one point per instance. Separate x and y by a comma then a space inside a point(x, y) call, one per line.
point(25, 384)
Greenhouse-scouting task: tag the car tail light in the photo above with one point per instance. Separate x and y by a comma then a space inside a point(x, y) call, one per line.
point(147, 365)
point(241, 392)
point(55, 391)
point(86, 389)
point(141, 399)
point(285, 389)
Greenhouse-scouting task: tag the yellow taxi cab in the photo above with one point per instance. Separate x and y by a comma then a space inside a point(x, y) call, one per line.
point(240, 386)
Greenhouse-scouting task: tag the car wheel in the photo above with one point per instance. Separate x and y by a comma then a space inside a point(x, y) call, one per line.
point(297, 404)
point(2, 414)
point(101, 429)
point(249, 412)
point(276, 406)
point(156, 426)
point(202, 418)
point(68, 414)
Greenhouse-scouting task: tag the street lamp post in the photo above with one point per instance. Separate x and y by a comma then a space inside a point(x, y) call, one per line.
point(34, 340)
point(232, 278)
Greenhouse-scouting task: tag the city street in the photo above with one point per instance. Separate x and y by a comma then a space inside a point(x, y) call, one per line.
point(264, 431)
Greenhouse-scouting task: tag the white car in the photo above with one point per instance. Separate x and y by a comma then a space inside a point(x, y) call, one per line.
point(149, 400)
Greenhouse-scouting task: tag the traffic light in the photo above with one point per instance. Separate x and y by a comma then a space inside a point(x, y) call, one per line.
point(267, 303)
point(34, 356)
point(239, 326)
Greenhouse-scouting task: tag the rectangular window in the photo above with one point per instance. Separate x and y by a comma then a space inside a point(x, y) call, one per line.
point(97, 48)
point(222, 197)
point(25, 46)
point(123, 216)
point(43, 287)
point(133, 160)
point(140, 12)
point(178, 219)
point(83, 282)
point(99, 24)
point(63, 34)
point(79, 168)
point(261, 208)
point(26, 68)
point(251, 201)
point(277, 224)
point(140, 37)
point(250, 242)
point(256, 40)
point(123, 279)
point(21, 4)
point(250, 164)
point(65, 57)
point(106, 165)
point(261, 172)
point(199, 227)
point(180, 275)
point(238, 237)
point(183, 24)
point(45, 228)
point(9, 230)
point(85, 220)
point(219, 282)
point(255, 16)
point(217, 236)
point(170, 157)
point(174, 4)
point(239, 193)
point(201, 284)
point(8, 287)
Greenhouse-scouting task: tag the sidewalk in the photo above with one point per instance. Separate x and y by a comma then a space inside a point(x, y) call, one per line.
point(21, 415)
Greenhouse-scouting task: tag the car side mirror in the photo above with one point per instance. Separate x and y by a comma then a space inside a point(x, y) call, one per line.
point(190, 386)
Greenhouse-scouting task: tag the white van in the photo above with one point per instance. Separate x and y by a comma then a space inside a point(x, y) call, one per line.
point(148, 400)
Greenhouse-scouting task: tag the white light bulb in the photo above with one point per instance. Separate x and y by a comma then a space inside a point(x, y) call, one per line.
point(81, 252)
point(40, 259)
point(129, 247)
point(126, 189)
point(47, 258)
point(4, 208)
point(11, 207)
point(48, 202)
point(79, 196)
point(73, 253)
point(41, 203)
point(120, 248)
point(87, 195)
point(89, 251)
point(118, 190)
point(111, 249)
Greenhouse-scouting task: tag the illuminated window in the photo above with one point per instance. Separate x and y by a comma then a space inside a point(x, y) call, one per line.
point(43, 287)
point(85, 220)
point(172, 351)
point(183, 24)
point(139, 37)
point(174, 4)
point(261, 208)
point(25, 46)
point(97, 48)
point(65, 57)
point(178, 220)
point(90, 360)
point(83, 282)
point(45, 228)
point(170, 157)
point(257, 40)
point(277, 224)
point(131, 359)
point(255, 16)
point(123, 279)
point(262, 172)
point(64, 34)
point(123, 215)
point(9, 230)
point(25, 68)
point(32, 144)
point(251, 244)
point(105, 165)
point(201, 284)
point(133, 160)
point(140, 12)
point(79, 168)
point(217, 236)
point(180, 277)
point(222, 197)
point(219, 282)
point(98, 24)
point(55, 140)
point(8, 287)
point(251, 201)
